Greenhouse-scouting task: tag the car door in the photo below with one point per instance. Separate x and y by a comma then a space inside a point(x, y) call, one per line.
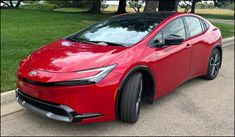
point(200, 46)
point(173, 62)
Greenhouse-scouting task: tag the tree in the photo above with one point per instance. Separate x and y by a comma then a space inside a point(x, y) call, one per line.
point(151, 5)
point(135, 4)
point(10, 4)
point(121, 7)
point(186, 5)
point(194, 2)
point(96, 5)
point(168, 5)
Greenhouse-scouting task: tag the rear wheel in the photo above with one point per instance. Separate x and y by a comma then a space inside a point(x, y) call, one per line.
point(213, 65)
point(131, 99)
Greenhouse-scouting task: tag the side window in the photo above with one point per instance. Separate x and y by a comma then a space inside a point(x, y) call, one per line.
point(194, 25)
point(157, 39)
point(176, 27)
point(205, 25)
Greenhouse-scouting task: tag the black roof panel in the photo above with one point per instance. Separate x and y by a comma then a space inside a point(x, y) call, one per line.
point(158, 15)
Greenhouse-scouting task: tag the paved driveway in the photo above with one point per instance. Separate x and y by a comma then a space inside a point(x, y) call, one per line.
point(198, 107)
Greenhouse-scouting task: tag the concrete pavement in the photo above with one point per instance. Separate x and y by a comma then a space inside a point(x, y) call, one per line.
point(198, 107)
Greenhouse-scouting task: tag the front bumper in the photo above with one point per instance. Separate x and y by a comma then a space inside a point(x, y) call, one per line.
point(51, 110)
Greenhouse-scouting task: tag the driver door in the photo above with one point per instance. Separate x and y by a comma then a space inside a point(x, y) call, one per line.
point(173, 61)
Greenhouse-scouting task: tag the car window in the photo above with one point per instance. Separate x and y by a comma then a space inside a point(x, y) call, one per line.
point(123, 31)
point(176, 27)
point(205, 25)
point(157, 39)
point(194, 25)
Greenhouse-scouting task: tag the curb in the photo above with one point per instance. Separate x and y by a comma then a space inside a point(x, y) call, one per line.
point(228, 41)
point(10, 95)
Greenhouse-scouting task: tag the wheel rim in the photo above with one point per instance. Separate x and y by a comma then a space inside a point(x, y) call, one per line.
point(139, 97)
point(215, 64)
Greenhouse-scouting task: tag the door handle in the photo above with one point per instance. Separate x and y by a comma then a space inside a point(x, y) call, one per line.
point(188, 46)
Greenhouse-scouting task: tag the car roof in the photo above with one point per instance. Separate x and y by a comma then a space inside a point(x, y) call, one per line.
point(161, 15)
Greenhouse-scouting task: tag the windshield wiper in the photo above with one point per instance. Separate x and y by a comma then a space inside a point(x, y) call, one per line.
point(109, 43)
point(93, 42)
point(80, 40)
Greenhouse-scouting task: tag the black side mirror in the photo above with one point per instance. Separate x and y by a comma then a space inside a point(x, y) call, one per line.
point(173, 40)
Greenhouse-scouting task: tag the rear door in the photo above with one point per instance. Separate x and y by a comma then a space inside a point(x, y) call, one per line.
point(200, 46)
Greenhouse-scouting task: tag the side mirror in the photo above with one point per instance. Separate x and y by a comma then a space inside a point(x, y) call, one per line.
point(173, 40)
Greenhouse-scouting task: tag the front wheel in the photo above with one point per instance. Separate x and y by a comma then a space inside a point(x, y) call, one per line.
point(131, 99)
point(213, 65)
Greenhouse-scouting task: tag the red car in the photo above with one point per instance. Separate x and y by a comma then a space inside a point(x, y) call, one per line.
point(107, 70)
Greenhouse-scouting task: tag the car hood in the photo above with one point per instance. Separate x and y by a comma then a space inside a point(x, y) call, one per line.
point(67, 56)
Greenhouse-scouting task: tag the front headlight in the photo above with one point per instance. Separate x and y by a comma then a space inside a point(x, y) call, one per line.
point(101, 73)
point(97, 75)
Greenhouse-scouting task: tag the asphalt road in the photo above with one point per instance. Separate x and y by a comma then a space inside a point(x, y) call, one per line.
point(198, 107)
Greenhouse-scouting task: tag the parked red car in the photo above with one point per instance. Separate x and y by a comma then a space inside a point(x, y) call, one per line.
point(107, 70)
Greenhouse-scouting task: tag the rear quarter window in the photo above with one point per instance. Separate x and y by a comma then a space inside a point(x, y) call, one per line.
point(194, 25)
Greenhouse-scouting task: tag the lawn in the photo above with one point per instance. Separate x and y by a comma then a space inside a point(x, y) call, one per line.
point(226, 29)
point(23, 31)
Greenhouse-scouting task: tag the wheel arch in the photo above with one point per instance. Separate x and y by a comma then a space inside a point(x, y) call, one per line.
point(218, 46)
point(147, 73)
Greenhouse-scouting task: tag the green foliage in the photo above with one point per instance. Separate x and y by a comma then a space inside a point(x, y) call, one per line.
point(44, 6)
point(136, 5)
point(204, 6)
point(228, 5)
point(104, 5)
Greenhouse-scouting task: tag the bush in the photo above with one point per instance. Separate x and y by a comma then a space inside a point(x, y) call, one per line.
point(228, 6)
point(43, 6)
point(204, 6)
point(104, 5)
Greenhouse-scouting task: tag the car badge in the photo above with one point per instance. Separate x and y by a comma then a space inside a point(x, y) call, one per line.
point(32, 73)
point(66, 44)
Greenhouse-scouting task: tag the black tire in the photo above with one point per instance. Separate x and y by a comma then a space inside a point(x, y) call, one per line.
point(131, 99)
point(213, 64)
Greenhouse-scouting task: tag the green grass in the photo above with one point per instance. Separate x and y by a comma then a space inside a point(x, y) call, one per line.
point(23, 31)
point(217, 16)
point(227, 30)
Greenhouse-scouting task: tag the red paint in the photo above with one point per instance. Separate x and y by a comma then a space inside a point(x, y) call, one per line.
point(171, 66)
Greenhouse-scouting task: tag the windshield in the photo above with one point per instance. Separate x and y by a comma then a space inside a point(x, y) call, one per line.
point(120, 31)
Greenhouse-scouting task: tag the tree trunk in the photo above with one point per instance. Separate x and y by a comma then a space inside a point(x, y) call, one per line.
point(96, 5)
point(168, 5)
point(151, 5)
point(193, 6)
point(18, 4)
point(215, 3)
point(11, 4)
point(121, 7)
